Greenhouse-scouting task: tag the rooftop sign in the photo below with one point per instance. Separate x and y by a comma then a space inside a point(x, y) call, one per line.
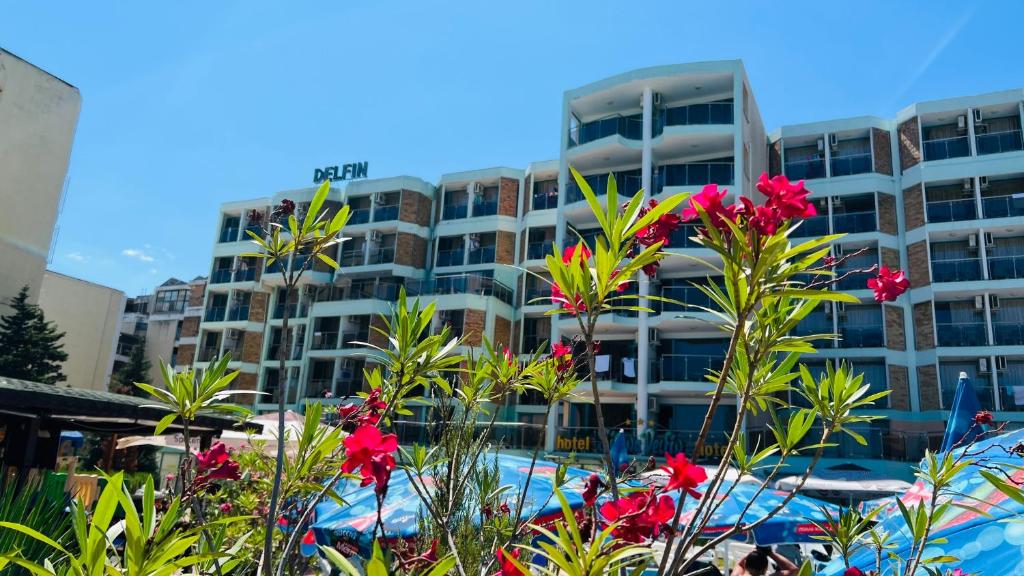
point(346, 172)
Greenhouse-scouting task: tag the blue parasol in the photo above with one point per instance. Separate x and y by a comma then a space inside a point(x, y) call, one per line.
point(350, 527)
point(960, 429)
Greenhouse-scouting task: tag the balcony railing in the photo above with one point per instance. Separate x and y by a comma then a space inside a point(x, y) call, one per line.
point(696, 114)
point(482, 255)
point(695, 174)
point(631, 127)
point(358, 216)
point(962, 334)
point(854, 222)
point(352, 258)
point(385, 213)
point(348, 340)
point(324, 341)
point(996, 142)
point(1005, 267)
point(960, 270)
point(951, 210)
point(853, 281)
point(485, 208)
point(861, 336)
point(852, 164)
point(247, 275)
point(294, 311)
point(1008, 333)
point(238, 313)
point(214, 314)
point(813, 226)
point(943, 148)
point(805, 169)
point(450, 257)
point(683, 237)
point(532, 293)
point(628, 183)
point(229, 235)
point(683, 295)
point(207, 353)
point(221, 276)
point(454, 211)
point(690, 368)
point(382, 256)
point(461, 284)
point(545, 201)
point(317, 387)
point(1003, 206)
point(539, 250)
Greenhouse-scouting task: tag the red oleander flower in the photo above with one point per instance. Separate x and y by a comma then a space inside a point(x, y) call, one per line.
point(594, 484)
point(829, 261)
point(574, 306)
point(984, 417)
point(504, 509)
point(764, 219)
point(790, 200)
point(641, 516)
point(652, 269)
point(853, 571)
point(509, 358)
point(285, 208)
point(710, 200)
point(226, 507)
point(658, 231)
point(371, 452)
point(347, 411)
point(428, 557)
point(570, 251)
point(487, 511)
point(562, 355)
point(622, 285)
point(888, 285)
point(215, 464)
point(505, 567)
point(685, 475)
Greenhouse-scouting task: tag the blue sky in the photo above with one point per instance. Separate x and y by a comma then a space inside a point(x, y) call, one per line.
point(190, 104)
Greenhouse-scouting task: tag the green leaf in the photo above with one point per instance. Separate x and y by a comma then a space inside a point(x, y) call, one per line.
point(339, 561)
point(327, 260)
point(164, 423)
point(315, 204)
point(442, 566)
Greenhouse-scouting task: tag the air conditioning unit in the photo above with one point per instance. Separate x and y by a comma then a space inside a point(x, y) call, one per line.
point(348, 365)
point(968, 185)
point(990, 240)
point(238, 296)
point(478, 189)
point(232, 334)
point(1001, 363)
point(374, 236)
point(821, 144)
point(652, 405)
point(318, 338)
point(309, 290)
point(837, 202)
point(983, 366)
point(979, 302)
point(961, 123)
point(993, 302)
point(841, 306)
point(657, 99)
point(652, 336)
point(378, 198)
point(827, 308)
point(983, 181)
point(838, 250)
point(978, 117)
point(833, 141)
point(972, 241)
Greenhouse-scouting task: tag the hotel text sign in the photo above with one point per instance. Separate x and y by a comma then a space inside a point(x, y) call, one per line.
point(343, 172)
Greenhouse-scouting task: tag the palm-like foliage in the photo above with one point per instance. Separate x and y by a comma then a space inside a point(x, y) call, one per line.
point(187, 396)
point(28, 505)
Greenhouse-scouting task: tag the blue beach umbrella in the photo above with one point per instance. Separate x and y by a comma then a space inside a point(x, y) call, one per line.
point(618, 450)
point(350, 527)
point(960, 429)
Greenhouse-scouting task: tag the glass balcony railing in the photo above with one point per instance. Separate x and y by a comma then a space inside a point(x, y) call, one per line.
point(384, 255)
point(256, 229)
point(997, 142)
point(246, 275)
point(852, 164)
point(454, 211)
point(805, 169)
point(324, 341)
point(450, 257)
point(682, 237)
point(1005, 267)
point(854, 222)
point(482, 255)
point(461, 284)
point(695, 174)
point(951, 210)
point(352, 258)
point(962, 334)
point(545, 201)
point(238, 313)
point(207, 353)
point(532, 294)
point(960, 270)
point(982, 387)
point(485, 208)
point(695, 115)
point(627, 183)
point(631, 127)
point(214, 314)
point(813, 226)
point(861, 336)
point(1003, 206)
point(348, 340)
point(294, 311)
point(358, 216)
point(318, 387)
point(220, 276)
point(855, 281)
point(681, 296)
point(689, 368)
point(539, 250)
point(385, 213)
point(943, 148)
point(229, 235)
point(1008, 333)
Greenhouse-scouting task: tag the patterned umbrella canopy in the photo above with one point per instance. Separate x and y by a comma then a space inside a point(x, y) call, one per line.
point(991, 544)
point(350, 527)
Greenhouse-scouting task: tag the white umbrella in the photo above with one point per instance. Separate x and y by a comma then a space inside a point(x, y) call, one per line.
point(233, 439)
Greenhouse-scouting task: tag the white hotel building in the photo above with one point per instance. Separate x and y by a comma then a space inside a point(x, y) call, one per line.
point(938, 190)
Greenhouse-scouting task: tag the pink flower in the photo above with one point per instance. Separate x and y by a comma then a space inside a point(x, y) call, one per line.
point(226, 507)
point(853, 571)
point(574, 305)
point(788, 199)
point(594, 483)
point(651, 269)
point(562, 354)
point(641, 516)
point(710, 200)
point(370, 451)
point(829, 261)
point(685, 475)
point(764, 219)
point(215, 464)
point(984, 417)
point(505, 567)
point(658, 231)
point(504, 509)
point(888, 285)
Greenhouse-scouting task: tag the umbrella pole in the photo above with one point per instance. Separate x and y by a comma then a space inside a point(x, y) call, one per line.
point(108, 452)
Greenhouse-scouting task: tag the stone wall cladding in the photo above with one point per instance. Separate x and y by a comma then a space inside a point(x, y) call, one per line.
point(252, 345)
point(899, 385)
point(258, 307)
point(502, 332)
point(895, 334)
point(508, 197)
point(195, 295)
point(887, 214)
point(473, 326)
point(245, 381)
point(414, 208)
point(775, 158)
point(375, 337)
point(410, 250)
point(918, 264)
point(190, 327)
point(186, 354)
point(882, 151)
point(890, 257)
point(924, 328)
point(910, 144)
point(913, 207)
point(504, 251)
point(928, 388)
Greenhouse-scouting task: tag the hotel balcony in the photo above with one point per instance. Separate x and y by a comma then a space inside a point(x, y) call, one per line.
point(949, 375)
point(861, 336)
point(629, 127)
point(945, 148)
point(998, 142)
point(693, 174)
point(851, 164)
point(998, 130)
point(214, 314)
point(545, 195)
point(956, 270)
point(1008, 206)
point(710, 113)
point(477, 284)
point(627, 182)
point(1005, 267)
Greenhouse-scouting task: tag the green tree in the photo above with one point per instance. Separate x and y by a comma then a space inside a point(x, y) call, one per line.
point(135, 370)
point(30, 347)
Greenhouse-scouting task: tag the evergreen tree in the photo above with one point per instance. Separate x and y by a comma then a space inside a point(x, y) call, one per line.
point(30, 347)
point(136, 369)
